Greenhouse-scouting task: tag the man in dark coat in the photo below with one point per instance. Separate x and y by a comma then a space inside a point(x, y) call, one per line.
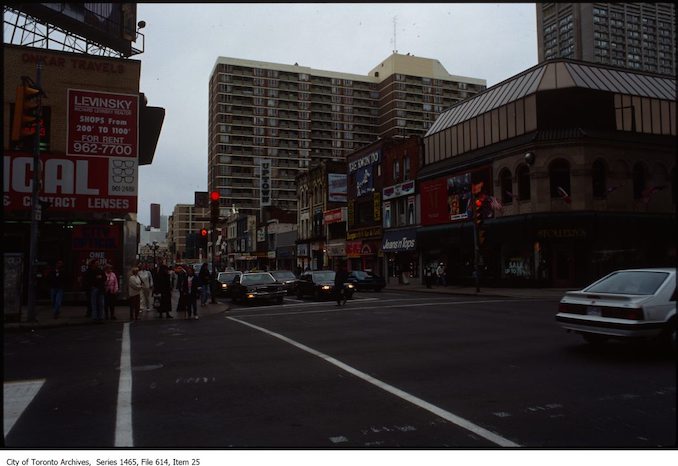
point(340, 277)
point(164, 287)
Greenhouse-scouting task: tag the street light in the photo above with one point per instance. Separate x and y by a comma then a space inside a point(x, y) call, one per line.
point(154, 247)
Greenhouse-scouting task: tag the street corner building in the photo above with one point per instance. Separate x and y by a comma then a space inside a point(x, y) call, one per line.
point(574, 167)
point(94, 130)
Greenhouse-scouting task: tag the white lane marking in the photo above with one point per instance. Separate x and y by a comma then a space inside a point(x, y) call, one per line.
point(448, 416)
point(16, 398)
point(123, 418)
point(348, 307)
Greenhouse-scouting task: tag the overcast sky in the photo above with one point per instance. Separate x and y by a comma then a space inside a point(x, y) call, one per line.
point(183, 41)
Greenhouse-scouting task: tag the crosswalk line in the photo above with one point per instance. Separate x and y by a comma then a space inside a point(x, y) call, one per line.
point(17, 396)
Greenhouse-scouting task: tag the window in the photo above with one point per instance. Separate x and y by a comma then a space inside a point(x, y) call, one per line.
point(639, 177)
point(523, 178)
point(559, 178)
point(506, 185)
point(406, 168)
point(396, 170)
point(599, 179)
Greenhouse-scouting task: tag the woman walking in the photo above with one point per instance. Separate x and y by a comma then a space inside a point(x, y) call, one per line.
point(204, 276)
point(134, 289)
point(110, 291)
point(192, 285)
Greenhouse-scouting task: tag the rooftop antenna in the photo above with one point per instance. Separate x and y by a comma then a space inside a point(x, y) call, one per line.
point(395, 48)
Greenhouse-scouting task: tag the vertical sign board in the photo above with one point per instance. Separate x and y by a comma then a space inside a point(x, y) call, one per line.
point(338, 187)
point(265, 182)
point(101, 242)
point(12, 278)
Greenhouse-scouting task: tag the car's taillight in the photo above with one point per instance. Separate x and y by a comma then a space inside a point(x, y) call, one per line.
point(624, 313)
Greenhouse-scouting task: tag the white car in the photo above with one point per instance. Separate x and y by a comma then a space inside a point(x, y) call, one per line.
point(634, 303)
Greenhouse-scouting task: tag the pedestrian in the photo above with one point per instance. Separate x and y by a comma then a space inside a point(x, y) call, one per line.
point(340, 278)
point(134, 290)
point(56, 280)
point(146, 287)
point(96, 280)
point(204, 277)
point(182, 277)
point(190, 292)
point(110, 292)
point(428, 276)
point(440, 272)
point(163, 286)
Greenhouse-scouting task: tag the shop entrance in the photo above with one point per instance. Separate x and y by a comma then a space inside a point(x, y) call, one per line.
point(563, 266)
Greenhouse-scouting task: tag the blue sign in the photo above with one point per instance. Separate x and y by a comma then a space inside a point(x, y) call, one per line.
point(363, 181)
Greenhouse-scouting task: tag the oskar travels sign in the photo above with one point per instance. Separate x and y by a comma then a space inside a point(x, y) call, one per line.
point(265, 182)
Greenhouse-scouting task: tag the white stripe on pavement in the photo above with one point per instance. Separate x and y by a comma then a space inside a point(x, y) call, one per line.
point(16, 398)
point(448, 416)
point(123, 419)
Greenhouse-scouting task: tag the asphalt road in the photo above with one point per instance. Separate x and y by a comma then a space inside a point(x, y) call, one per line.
point(388, 370)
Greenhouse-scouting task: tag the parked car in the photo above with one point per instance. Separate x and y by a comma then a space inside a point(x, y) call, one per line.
point(287, 278)
point(635, 303)
point(225, 282)
point(320, 285)
point(366, 280)
point(257, 286)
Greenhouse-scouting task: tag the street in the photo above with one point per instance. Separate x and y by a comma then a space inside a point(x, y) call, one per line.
point(388, 370)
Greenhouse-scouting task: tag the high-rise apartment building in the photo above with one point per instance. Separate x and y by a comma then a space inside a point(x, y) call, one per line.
point(638, 36)
point(290, 115)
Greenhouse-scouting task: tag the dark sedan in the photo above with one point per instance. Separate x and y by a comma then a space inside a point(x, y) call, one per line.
point(320, 284)
point(225, 282)
point(257, 286)
point(366, 280)
point(287, 278)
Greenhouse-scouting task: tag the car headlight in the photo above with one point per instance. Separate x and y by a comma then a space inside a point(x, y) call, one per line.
point(250, 295)
point(349, 285)
point(224, 285)
point(326, 287)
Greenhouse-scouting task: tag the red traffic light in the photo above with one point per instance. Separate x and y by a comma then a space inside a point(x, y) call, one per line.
point(214, 195)
point(203, 232)
point(479, 203)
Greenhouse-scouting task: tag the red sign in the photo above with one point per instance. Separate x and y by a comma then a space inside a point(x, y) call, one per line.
point(334, 216)
point(434, 202)
point(77, 184)
point(100, 242)
point(102, 123)
point(353, 248)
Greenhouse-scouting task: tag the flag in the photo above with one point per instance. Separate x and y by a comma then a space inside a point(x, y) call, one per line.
point(496, 204)
point(564, 196)
point(647, 193)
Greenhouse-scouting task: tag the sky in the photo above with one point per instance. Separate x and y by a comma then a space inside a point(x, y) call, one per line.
point(182, 42)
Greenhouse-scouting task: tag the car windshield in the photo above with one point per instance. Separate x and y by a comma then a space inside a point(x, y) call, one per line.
point(631, 282)
point(227, 277)
point(283, 275)
point(323, 276)
point(257, 279)
point(359, 274)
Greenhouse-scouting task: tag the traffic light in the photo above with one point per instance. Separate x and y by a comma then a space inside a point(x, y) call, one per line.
point(26, 110)
point(214, 207)
point(478, 217)
point(202, 240)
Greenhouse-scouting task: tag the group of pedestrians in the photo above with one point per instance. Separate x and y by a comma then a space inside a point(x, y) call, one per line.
point(147, 289)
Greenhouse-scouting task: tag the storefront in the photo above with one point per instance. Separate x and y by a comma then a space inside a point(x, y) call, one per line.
point(363, 249)
point(401, 259)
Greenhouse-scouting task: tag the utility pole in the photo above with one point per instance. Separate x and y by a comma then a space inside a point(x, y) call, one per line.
point(35, 204)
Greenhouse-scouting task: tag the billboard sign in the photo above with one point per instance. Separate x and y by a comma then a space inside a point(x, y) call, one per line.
point(71, 184)
point(337, 187)
point(102, 124)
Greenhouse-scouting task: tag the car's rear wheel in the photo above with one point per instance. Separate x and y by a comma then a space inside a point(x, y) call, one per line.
point(594, 339)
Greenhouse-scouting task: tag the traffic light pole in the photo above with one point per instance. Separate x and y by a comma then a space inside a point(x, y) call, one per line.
point(35, 208)
point(476, 249)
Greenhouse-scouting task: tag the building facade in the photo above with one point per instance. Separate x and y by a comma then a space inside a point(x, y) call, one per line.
point(637, 36)
point(578, 162)
point(184, 227)
point(287, 116)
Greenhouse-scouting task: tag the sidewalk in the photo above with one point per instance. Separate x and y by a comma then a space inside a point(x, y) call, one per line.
point(75, 314)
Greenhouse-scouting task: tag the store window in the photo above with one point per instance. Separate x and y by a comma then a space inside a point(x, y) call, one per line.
point(523, 178)
point(559, 178)
point(599, 179)
point(639, 180)
point(506, 184)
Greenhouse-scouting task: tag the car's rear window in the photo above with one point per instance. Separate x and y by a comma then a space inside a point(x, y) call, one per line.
point(227, 277)
point(283, 275)
point(324, 276)
point(257, 279)
point(632, 282)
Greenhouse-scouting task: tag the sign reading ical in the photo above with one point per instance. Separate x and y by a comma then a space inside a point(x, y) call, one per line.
point(103, 124)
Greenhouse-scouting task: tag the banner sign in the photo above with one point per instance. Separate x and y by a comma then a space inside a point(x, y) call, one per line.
point(75, 184)
point(363, 181)
point(402, 240)
point(459, 196)
point(353, 248)
point(337, 187)
point(265, 182)
point(364, 161)
point(364, 233)
point(402, 189)
point(103, 124)
point(334, 216)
